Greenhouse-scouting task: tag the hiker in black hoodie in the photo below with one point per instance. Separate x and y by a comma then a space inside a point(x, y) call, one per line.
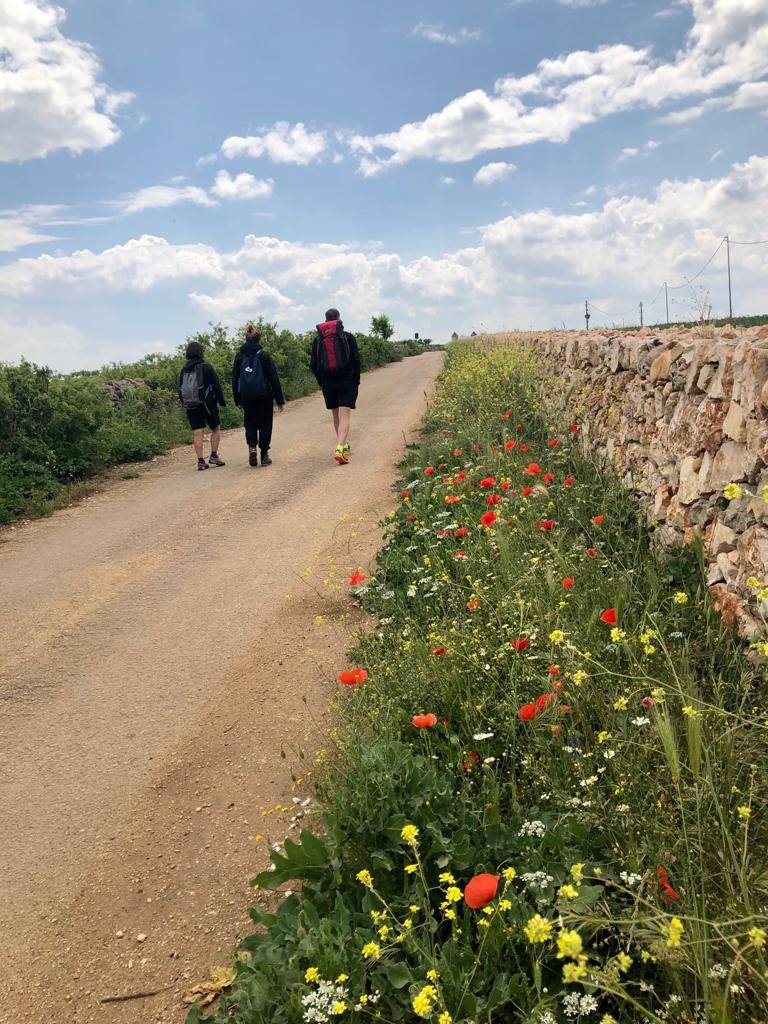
point(256, 389)
point(200, 395)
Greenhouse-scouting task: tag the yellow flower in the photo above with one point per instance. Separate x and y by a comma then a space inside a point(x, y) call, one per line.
point(414, 909)
point(674, 931)
point(567, 892)
point(432, 975)
point(691, 712)
point(649, 649)
point(450, 915)
point(557, 636)
point(338, 1008)
point(363, 998)
point(444, 1018)
point(505, 905)
point(757, 937)
point(453, 894)
point(538, 929)
point(623, 961)
point(579, 676)
point(423, 1002)
point(408, 924)
point(509, 874)
point(410, 868)
point(744, 813)
point(446, 878)
point(365, 878)
point(569, 944)
point(410, 834)
point(680, 597)
point(384, 932)
point(342, 978)
point(618, 634)
point(620, 704)
point(732, 492)
point(574, 972)
point(372, 950)
point(603, 737)
point(312, 974)
point(577, 873)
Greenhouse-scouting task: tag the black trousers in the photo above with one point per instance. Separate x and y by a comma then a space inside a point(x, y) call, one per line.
point(258, 415)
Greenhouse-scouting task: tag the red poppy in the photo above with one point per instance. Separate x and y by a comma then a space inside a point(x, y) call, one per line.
point(568, 582)
point(523, 447)
point(443, 720)
point(457, 453)
point(598, 519)
point(473, 604)
point(591, 552)
point(647, 702)
point(409, 518)
point(574, 428)
point(553, 443)
point(526, 491)
point(442, 533)
point(461, 554)
point(429, 471)
point(488, 518)
point(461, 475)
point(609, 617)
point(554, 669)
point(545, 524)
point(480, 890)
point(404, 494)
point(668, 894)
point(527, 712)
point(547, 478)
point(492, 499)
point(438, 650)
point(505, 486)
point(557, 686)
point(461, 532)
point(424, 721)
point(353, 676)
point(510, 445)
point(356, 578)
point(519, 644)
point(532, 469)
point(544, 700)
point(470, 760)
point(569, 480)
point(489, 481)
point(475, 448)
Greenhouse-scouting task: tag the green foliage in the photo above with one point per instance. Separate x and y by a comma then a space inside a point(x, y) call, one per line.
point(622, 814)
point(382, 327)
point(57, 430)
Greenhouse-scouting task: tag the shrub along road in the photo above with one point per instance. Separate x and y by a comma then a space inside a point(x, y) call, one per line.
point(152, 670)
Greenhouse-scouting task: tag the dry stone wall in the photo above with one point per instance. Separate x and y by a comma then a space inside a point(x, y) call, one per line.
point(684, 413)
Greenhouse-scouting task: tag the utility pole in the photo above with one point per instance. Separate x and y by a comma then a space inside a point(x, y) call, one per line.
point(641, 314)
point(730, 295)
point(587, 314)
point(666, 297)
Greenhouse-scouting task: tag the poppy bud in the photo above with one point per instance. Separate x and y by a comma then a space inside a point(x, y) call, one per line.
point(480, 890)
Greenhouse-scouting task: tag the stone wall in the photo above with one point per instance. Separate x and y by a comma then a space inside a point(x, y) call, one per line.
point(684, 413)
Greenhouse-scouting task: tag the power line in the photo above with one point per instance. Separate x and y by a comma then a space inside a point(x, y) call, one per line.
point(677, 287)
point(763, 242)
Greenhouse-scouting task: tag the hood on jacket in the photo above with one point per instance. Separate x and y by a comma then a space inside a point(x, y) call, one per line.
point(249, 347)
point(191, 364)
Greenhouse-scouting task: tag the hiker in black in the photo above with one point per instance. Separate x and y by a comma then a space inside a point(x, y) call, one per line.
point(256, 389)
point(335, 362)
point(200, 395)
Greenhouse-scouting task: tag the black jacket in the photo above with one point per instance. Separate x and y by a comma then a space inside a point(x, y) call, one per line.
point(212, 393)
point(274, 390)
point(354, 357)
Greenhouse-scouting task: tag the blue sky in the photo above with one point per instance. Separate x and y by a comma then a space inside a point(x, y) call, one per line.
point(456, 165)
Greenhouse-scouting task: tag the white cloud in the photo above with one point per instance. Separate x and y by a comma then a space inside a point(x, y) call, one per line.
point(726, 48)
point(491, 173)
point(51, 97)
point(447, 180)
point(159, 196)
point(209, 158)
point(716, 155)
point(242, 186)
point(437, 34)
point(626, 154)
point(536, 266)
point(283, 144)
point(22, 227)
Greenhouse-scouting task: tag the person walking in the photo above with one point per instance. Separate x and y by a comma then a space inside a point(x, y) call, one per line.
point(256, 389)
point(200, 395)
point(335, 362)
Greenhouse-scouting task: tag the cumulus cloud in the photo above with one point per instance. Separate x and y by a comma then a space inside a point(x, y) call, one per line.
point(242, 186)
point(725, 51)
point(536, 266)
point(158, 196)
point(51, 95)
point(283, 144)
point(437, 34)
point(489, 174)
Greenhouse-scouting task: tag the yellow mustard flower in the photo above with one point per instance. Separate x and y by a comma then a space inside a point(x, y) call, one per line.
point(680, 597)
point(365, 878)
point(538, 929)
point(732, 492)
point(371, 950)
point(423, 1002)
point(623, 961)
point(757, 936)
point(574, 972)
point(569, 944)
point(577, 873)
point(567, 892)
point(744, 813)
point(557, 636)
point(674, 931)
point(509, 874)
point(311, 974)
point(410, 834)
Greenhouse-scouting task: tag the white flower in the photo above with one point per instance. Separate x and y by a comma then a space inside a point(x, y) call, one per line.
point(623, 808)
point(588, 782)
point(609, 754)
point(532, 828)
point(640, 720)
point(587, 1004)
point(411, 591)
point(717, 971)
point(488, 760)
point(483, 736)
point(630, 879)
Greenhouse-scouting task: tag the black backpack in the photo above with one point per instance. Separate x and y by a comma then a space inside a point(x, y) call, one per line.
point(335, 360)
point(253, 380)
point(193, 390)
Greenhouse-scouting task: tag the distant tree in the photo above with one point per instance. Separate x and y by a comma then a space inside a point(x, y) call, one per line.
point(382, 327)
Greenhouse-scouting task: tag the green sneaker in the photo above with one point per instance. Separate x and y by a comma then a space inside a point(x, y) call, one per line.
point(340, 455)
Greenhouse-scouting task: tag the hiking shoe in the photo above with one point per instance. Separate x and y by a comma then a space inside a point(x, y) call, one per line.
point(202, 464)
point(253, 456)
point(265, 460)
point(216, 461)
point(340, 455)
point(347, 450)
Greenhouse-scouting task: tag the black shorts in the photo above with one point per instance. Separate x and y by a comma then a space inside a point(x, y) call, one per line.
point(339, 392)
point(202, 416)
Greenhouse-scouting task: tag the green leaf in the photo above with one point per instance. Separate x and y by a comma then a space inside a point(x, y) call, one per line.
point(301, 861)
point(399, 976)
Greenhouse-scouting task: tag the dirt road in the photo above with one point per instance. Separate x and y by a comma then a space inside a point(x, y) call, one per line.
point(161, 645)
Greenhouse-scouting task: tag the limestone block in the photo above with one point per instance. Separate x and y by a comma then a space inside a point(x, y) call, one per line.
point(734, 424)
point(733, 462)
point(690, 486)
point(721, 539)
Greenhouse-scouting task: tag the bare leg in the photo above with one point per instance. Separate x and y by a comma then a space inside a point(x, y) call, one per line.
point(336, 423)
point(215, 439)
point(342, 431)
point(197, 436)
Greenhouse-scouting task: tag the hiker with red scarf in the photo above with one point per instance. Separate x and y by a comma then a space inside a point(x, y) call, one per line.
point(335, 363)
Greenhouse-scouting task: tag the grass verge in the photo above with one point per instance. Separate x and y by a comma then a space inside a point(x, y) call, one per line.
point(546, 802)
